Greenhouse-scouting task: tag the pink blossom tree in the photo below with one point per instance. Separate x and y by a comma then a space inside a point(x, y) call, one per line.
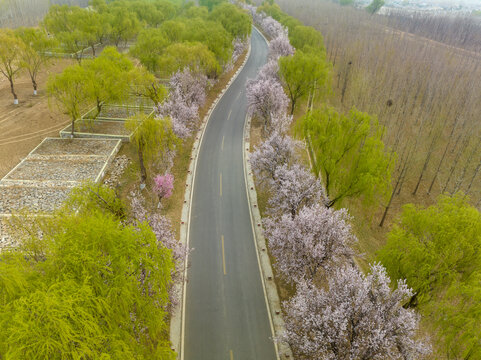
point(266, 98)
point(292, 188)
point(163, 186)
point(357, 317)
point(316, 238)
point(275, 151)
point(280, 46)
point(281, 123)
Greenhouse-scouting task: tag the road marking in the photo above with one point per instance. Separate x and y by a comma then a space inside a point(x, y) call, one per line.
point(230, 113)
point(223, 259)
point(220, 184)
point(222, 146)
point(231, 355)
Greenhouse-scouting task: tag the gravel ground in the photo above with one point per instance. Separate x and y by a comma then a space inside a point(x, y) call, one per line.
point(55, 146)
point(33, 198)
point(58, 170)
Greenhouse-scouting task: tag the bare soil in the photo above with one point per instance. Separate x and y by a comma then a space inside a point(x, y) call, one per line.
point(24, 126)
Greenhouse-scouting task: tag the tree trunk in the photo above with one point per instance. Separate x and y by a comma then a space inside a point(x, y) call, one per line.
point(474, 177)
point(73, 127)
point(143, 170)
point(426, 162)
point(93, 50)
point(12, 90)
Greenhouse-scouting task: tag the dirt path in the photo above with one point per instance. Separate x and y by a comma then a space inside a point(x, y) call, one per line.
point(24, 126)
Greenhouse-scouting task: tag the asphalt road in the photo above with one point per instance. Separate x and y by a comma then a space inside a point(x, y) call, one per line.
point(226, 314)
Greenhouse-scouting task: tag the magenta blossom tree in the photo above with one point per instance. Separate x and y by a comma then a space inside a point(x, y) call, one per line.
point(266, 98)
point(275, 151)
point(163, 186)
point(292, 188)
point(357, 317)
point(316, 238)
point(280, 46)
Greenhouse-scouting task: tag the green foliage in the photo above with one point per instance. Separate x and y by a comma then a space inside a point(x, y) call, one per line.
point(153, 139)
point(374, 6)
point(349, 154)
point(69, 91)
point(99, 290)
point(303, 73)
point(11, 50)
point(149, 47)
point(306, 38)
point(124, 24)
point(457, 317)
point(438, 251)
point(107, 77)
point(143, 83)
point(196, 56)
point(212, 34)
point(432, 247)
point(210, 4)
point(236, 21)
point(71, 27)
point(192, 12)
point(173, 30)
point(346, 2)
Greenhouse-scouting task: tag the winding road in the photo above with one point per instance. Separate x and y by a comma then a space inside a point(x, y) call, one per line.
point(226, 315)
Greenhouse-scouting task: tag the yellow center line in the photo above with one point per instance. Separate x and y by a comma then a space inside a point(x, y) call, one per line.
point(220, 184)
point(231, 355)
point(222, 146)
point(223, 260)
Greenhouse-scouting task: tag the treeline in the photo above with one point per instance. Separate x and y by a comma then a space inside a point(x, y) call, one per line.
point(460, 31)
point(425, 94)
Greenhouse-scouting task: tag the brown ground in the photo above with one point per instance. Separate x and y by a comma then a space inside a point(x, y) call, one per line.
point(24, 126)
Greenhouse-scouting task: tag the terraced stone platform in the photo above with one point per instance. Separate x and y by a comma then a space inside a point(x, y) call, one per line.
point(44, 179)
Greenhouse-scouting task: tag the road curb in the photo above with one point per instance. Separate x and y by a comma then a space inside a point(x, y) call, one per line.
point(283, 349)
point(272, 297)
point(177, 321)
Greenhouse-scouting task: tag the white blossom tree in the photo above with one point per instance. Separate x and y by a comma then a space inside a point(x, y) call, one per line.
point(272, 27)
point(266, 98)
point(292, 188)
point(277, 150)
point(316, 238)
point(357, 317)
point(280, 46)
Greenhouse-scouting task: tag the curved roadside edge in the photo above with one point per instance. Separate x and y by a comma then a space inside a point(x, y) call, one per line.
point(177, 322)
point(283, 350)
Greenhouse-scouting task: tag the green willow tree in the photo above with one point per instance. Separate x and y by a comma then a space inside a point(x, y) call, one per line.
point(107, 77)
point(306, 38)
point(149, 47)
point(349, 154)
point(435, 246)
point(195, 56)
point(33, 55)
point(11, 50)
point(236, 21)
point(153, 139)
point(69, 91)
point(90, 288)
point(302, 74)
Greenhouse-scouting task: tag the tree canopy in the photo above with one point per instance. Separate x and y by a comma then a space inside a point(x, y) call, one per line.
point(349, 154)
point(89, 287)
point(302, 74)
